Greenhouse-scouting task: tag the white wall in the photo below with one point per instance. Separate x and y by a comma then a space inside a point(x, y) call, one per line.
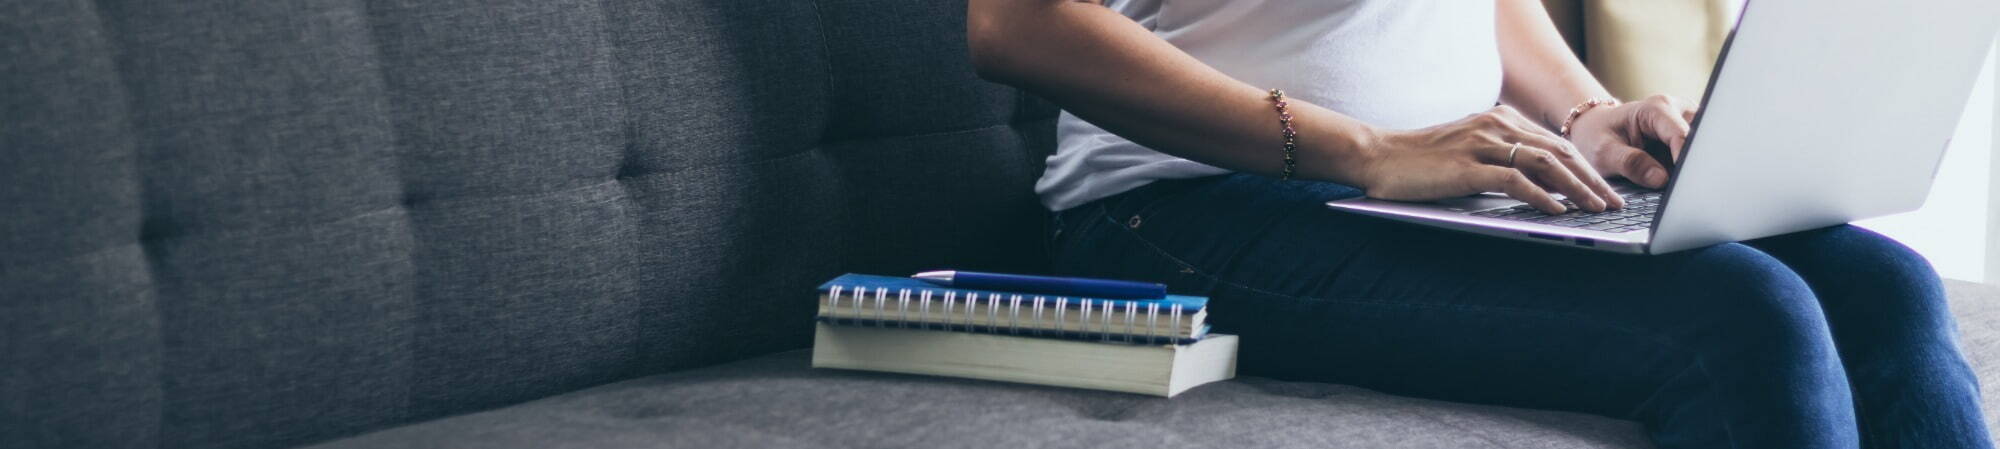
point(1958, 228)
point(1993, 187)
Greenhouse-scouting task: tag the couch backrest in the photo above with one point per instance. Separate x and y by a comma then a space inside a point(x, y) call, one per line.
point(263, 223)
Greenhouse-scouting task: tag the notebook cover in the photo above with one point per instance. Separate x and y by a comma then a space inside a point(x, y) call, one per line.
point(894, 284)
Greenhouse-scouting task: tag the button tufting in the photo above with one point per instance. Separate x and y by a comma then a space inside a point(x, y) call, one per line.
point(628, 171)
point(152, 228)
point(1133, 222)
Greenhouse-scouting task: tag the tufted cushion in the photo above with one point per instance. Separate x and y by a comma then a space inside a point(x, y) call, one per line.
point(259, 224)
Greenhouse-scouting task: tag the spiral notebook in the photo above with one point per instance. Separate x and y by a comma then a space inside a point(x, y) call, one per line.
point(905, 303)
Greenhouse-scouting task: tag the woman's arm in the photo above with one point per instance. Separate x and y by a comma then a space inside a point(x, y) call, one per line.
point(1105, 68)
point(1545, 78)
point(1542, 76)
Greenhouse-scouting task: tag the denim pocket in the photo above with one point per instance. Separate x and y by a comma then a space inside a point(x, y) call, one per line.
point(1131, 209)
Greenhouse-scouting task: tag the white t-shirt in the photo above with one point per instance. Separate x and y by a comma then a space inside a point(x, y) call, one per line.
point(1398, 64)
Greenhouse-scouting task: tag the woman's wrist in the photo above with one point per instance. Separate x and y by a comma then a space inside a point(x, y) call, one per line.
point(1338, 154)
point(1324, 145)
point(1575, 114)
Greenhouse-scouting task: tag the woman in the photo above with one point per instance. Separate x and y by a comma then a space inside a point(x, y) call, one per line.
point(1172, 165)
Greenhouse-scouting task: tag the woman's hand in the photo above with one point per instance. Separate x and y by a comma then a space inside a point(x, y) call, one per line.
point(1470, 156)
point(1611, 137)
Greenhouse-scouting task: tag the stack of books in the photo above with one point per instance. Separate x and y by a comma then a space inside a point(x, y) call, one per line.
point(1155, 346)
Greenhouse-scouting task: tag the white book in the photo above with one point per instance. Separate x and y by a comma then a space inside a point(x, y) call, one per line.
point(1158, 370)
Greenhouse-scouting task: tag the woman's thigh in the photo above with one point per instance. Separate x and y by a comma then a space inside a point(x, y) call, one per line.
point(1329, 296)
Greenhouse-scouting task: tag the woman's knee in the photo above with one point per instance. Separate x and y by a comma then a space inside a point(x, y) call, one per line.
point(1886, 305)
point(1883, 283)
point(1738, 300)
point(1895, 265)
point(1736, 280)
point(1761, 349)
point(1867, 281)
point(1848, 258)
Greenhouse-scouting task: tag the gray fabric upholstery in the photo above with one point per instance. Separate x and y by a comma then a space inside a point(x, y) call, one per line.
point(1976, 307)
point(777, 402)
point(258, 224)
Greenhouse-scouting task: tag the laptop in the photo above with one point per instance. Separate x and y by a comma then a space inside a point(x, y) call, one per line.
point(1819, 112)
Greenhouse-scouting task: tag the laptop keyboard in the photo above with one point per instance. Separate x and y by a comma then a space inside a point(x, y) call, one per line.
point(1637, 215)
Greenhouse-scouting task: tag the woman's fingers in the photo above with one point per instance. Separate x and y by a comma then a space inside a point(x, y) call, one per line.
point(1493, 178)
point(1664, 119)
point(1559, 164)
point(1542, 165)
point(1579, 166)
point(1635, 165)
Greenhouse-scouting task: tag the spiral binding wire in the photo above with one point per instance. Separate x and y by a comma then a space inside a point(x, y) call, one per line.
point(903, 305)
point(950, 298)
point(1062, 306)
point(1095, 318)
point(1037, 326)
point(927, 309)
point(881, 295)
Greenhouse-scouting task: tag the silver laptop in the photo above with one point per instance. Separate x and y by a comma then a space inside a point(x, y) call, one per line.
point(1819, 112)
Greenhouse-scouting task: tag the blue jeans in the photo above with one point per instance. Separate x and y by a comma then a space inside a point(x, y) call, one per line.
point(1834, 338)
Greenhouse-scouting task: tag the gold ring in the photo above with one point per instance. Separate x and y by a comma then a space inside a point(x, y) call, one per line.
point(1511, 151)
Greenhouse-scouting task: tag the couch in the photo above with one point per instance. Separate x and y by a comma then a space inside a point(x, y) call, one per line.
point(553, 223)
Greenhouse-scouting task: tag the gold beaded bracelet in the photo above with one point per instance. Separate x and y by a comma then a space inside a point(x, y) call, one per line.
point(1291, 135)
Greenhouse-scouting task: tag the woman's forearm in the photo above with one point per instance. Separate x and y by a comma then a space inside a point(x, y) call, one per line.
point(1543, 78)
point(1109, 70)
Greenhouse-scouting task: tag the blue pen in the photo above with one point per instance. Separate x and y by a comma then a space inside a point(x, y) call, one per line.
point(1081, 287)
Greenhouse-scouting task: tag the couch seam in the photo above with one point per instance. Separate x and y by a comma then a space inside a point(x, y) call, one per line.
point(712, 167)
point(402, 201)
point(835, 143)
point(635, 365)
point(826, 64)
point(452, 199)
point(43, 259)
point(121, 69)
point(945, 132)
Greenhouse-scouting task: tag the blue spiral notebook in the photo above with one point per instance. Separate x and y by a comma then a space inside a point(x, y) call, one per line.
point(901, 302)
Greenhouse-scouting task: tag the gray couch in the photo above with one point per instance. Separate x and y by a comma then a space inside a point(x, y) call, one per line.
point(551, 223)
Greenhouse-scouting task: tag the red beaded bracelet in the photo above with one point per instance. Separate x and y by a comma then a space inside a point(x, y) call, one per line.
point(1291, 135)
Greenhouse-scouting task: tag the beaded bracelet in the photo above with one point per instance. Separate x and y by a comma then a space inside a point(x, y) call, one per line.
point(1291, 136)
point(1580, 109)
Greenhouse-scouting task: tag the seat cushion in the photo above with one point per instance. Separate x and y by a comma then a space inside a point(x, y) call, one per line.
point(777, 401)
